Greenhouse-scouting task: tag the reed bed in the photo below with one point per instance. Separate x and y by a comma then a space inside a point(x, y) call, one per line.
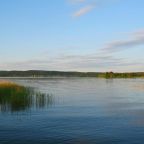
point(9, 89)
point(14, 97)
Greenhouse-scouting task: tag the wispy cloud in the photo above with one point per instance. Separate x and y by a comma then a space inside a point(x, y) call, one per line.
point(76, 1)
point(136, 39)
point(79, 62)
point(84, 10)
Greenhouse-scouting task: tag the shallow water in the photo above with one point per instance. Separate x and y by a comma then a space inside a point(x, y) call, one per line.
point(77, 111)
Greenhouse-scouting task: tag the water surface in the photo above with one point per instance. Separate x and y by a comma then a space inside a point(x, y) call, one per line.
point(75, 111)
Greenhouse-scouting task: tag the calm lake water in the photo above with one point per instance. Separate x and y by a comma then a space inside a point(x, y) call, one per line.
point(75, 111)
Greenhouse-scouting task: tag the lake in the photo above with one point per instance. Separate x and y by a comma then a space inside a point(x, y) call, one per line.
point(75, 111)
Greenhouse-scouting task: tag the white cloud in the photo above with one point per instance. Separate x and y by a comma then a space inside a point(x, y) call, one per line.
point(87, 62)
point(77, 1)
point(136, 39)
point(84, 10)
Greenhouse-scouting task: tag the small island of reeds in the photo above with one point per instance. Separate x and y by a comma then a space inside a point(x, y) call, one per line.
point(12, 89)
point(15, 97)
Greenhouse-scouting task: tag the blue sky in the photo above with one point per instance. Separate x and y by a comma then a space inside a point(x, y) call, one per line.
point(72, 35)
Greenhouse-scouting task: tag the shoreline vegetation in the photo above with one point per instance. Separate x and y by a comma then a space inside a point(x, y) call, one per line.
point(15, 97)
point(40, 73)
point(8, 88)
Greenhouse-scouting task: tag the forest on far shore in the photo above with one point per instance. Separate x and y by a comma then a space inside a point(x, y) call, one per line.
point(40, 73)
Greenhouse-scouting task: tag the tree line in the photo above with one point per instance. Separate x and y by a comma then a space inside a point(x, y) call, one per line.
point(40, 73)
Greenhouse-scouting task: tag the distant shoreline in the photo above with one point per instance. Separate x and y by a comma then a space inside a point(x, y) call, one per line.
point(62, 74)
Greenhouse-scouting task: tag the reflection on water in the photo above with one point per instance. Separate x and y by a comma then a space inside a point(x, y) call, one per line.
point(42, 100)
point(32, 99)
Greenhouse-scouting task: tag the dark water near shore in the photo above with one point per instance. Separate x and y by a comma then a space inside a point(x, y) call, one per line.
point(76, 111)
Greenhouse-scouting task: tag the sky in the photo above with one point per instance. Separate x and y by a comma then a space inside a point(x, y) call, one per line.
point(72, 35)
